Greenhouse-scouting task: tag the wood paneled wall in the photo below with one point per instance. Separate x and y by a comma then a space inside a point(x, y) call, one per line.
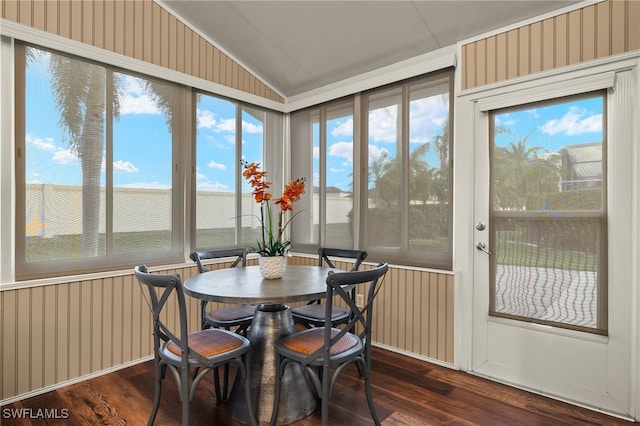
point(413, 311)
point(596, 31)
point(56, 333)
point(139, 29)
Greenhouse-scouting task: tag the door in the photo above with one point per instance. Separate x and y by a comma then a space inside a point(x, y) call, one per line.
point(551, 298)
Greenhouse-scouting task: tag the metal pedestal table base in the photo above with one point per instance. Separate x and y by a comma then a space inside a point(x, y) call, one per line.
point(270, 323)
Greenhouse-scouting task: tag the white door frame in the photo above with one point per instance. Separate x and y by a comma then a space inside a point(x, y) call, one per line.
point(469, 128)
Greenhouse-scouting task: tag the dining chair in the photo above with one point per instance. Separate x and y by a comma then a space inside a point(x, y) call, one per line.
point(312, 314)
point(179, 351)
point(235, 317)
point(323, 352)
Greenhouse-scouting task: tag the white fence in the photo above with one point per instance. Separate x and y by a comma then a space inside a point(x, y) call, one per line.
point(57, 210)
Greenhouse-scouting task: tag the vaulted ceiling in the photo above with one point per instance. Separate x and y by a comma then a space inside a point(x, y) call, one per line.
point(299, 46)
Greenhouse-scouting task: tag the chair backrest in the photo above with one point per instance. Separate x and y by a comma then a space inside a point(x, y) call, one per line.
point(340, 284)
point(160, 288)
point(240, 255)
point(325, 252)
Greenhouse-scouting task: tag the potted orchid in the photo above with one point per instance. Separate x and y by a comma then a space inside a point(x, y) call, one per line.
point(272, 243)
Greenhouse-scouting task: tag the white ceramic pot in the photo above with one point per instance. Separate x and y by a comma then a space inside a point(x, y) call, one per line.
point(272, 268)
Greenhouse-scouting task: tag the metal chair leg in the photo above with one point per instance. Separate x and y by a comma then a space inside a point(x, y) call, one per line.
point(184, 394)
point(159, 375)
point(367, 388)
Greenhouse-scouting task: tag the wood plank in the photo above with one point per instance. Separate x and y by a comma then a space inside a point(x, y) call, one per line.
point(561, 42)
point(574, 37)
point(633, 18)
point(618, 27)
point(603, 37)
point(406, 391)
point(588, 33)
point(512, 54)
point(52, 10)
point(548, 44)
point(535, 47)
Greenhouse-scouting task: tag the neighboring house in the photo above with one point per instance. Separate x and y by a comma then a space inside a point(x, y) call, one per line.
point(582, 165)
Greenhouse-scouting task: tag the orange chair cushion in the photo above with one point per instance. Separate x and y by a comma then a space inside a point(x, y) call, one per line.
point(307, 342)
point(317, 311)
point(230, 313)
point(209, 342)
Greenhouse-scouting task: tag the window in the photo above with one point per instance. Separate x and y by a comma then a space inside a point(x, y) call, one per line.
point(329, 201)
point(226, 133)
point(408, 209)
point(96, 167)
point(548, 213)
point(385, 188)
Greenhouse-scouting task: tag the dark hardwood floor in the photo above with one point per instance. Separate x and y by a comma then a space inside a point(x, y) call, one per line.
point(406, 392)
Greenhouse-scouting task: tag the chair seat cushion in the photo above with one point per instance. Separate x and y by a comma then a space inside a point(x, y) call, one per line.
point(317, 311)
point(210, 342)
point(232, 313)
point(308, 341)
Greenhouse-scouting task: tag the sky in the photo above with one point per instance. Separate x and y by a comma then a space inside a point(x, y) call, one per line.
point(574, 121)
point(142, 141)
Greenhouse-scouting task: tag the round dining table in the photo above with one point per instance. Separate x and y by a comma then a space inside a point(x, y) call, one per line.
point(272, 320)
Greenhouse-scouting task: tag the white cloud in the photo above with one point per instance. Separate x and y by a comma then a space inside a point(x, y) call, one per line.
point(574, 122)
point(342, 149)
point(427, 117)
point(316, 152)
point(60, 156)
point(146, 185)
point(124, 167)
point(382, 124)
point(226, 125)
point(212, 186)
point(205, 119)
point(375, 152)
point(34, 177)
point(135, 99)
point(251, 128)
point(503, 120)
point(344, 128)
point(65, 156)
point(212, 164)
point(334, 170)
point(46, 144)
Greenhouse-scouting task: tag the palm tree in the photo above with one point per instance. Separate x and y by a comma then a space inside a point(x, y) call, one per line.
point(441, 145)
point(520, 172)
point(80, 91)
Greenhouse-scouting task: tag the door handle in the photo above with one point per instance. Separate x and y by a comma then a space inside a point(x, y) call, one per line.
point(482, 247)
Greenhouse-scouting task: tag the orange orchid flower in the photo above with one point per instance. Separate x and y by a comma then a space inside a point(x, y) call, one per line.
point(273, 245)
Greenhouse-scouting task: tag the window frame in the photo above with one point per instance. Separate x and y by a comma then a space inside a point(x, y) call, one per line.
point(600, 215)
point(302, 165)
point(404, 255)
point(32, 270)
point(271, 161)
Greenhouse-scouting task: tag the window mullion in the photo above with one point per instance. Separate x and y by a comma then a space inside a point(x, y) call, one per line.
point(109, 161)
point(404, 146)
point(238, 199)
point(322, 190)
